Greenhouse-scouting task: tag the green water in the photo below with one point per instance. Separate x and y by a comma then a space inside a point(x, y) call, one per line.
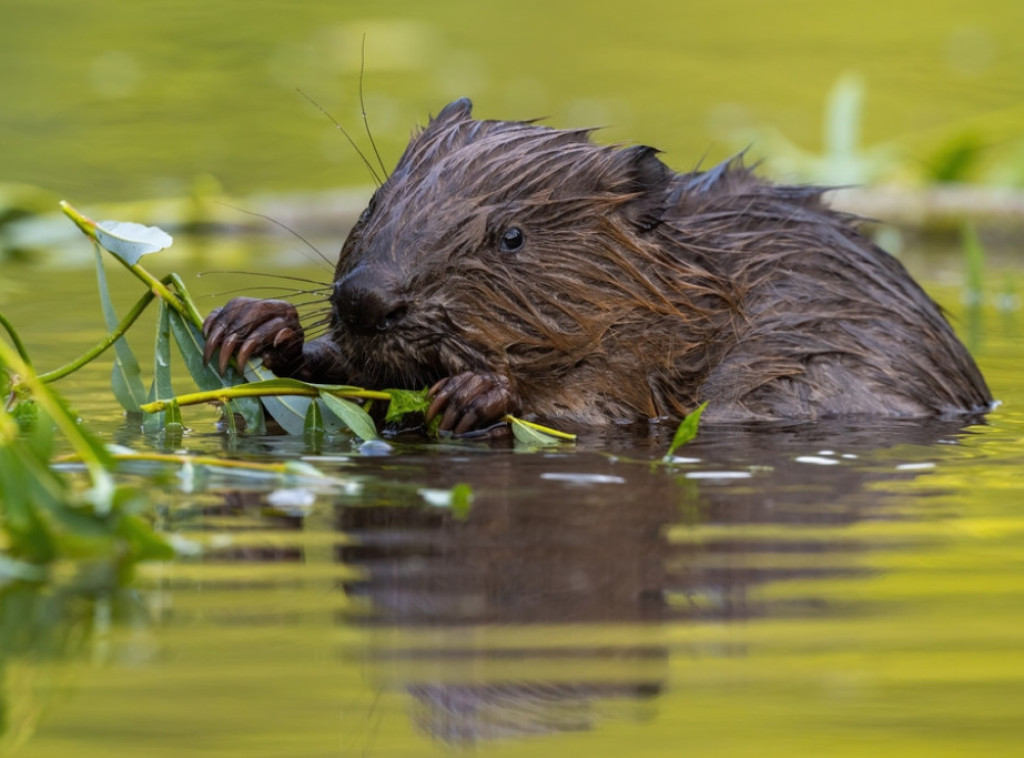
point(115, 100)
point(817, 591)
point(811, 591)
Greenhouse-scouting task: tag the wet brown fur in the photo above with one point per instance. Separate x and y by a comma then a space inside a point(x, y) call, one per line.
point(639, 292)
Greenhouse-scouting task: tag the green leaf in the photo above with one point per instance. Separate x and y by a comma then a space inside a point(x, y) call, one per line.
point(287, 410)
point(127, 377)
point(28, 487)
point(191, 343)
point(161, 386)
point(26, 413)
point(354, 417)
point(130, 241)
point(536, 435)
point(174, 415)
point(685, 432)
point(314, 419)
point(404, 402)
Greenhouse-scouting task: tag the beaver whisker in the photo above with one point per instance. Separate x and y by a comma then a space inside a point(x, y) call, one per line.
point(270, 275)
point(317, 302)
point(281, 225)
point(345, 134)
point(274, 291)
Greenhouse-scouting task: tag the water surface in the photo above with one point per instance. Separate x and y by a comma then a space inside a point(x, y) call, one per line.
point(808, 589)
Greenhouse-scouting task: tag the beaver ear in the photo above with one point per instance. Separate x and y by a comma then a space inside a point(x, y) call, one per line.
point(457, 110)
point(647, 180)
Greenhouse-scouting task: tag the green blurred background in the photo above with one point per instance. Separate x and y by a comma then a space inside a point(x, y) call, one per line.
point(110, 100)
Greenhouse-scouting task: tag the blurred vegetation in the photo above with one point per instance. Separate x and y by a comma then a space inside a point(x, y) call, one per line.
point(211, 90)
point(204, 106)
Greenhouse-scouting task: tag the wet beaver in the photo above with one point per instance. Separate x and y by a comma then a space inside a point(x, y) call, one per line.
point(515, 267)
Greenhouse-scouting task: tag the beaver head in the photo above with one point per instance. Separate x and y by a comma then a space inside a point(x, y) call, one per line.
point(523, 250)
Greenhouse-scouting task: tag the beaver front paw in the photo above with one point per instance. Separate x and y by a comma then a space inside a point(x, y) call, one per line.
point(267, 328)
point(471, 401)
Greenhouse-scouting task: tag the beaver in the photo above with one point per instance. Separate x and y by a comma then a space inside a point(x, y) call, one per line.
point(511, 266)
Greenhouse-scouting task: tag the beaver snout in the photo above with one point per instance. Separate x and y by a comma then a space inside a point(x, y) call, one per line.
point(365, 304)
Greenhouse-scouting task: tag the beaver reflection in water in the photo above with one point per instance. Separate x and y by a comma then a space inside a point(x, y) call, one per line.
point(514, 267)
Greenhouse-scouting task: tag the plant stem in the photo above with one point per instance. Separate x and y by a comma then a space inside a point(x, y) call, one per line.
point(246, 390)
point(95, 457)
point(110, 339)
point(156, 286)
point(15, 339)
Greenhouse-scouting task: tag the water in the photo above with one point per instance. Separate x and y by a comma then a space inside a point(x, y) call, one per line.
point(809, 589)
point(800, 590)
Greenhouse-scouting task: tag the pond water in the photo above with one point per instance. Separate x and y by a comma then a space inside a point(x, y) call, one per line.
point(796, 590)
point(809, 590)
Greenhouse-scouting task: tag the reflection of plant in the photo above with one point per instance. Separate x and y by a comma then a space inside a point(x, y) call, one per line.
point(47, 623)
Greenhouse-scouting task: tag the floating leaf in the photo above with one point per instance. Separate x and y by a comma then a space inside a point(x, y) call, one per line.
point(537, 435)
point(354, 417)
point(685, 432)
point(126, 381)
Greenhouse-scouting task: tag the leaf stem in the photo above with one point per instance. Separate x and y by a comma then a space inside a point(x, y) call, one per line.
point(251, 390)
point(110, 339)
point(95, 457)
point(156, 286)
point(15, 339)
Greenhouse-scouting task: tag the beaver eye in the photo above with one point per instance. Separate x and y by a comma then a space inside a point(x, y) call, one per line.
point(368, 210)
point(512, 240)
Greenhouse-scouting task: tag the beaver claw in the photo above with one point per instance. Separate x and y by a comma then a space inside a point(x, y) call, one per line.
point(246, 327)
point(471, 401)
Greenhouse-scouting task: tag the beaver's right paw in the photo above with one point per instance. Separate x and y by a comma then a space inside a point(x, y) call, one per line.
point(266, 328)
point(471, 401)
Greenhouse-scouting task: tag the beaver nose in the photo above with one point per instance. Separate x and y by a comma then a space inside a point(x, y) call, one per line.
point(364, 305)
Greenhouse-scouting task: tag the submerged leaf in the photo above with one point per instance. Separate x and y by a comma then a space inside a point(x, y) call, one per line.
point(686, 431)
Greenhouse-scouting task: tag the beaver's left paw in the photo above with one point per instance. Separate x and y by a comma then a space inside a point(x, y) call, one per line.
point(472, 401)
